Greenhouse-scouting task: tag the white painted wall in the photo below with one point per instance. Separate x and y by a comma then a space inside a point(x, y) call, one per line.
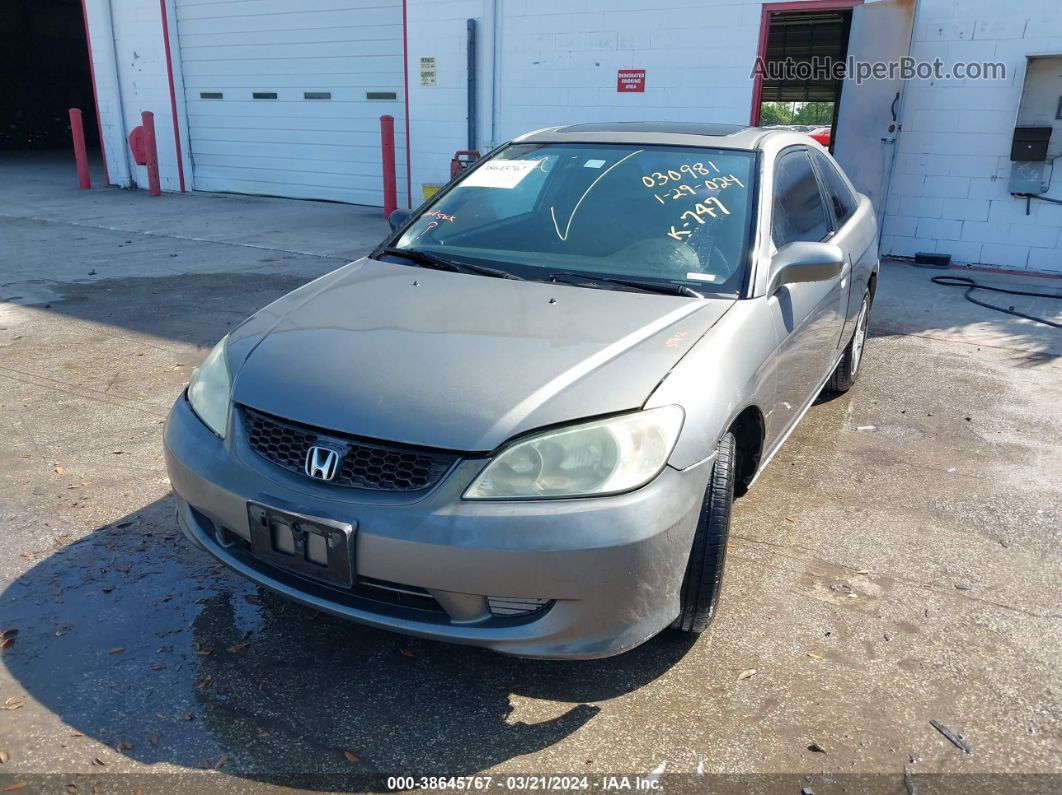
point(949, 188)
point(555, 62)
point(438, 114)
point(560, 59)
point(105, 74)
point(130, 66)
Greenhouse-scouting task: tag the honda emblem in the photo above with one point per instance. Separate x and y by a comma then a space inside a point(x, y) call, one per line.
point(322, 463)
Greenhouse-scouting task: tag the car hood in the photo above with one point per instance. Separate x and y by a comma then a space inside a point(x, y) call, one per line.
point(457, 361)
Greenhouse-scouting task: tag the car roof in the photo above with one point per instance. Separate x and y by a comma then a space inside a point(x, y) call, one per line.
point(674, 133)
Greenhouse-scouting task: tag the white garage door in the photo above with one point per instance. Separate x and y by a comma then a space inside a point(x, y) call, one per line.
point(284, 98)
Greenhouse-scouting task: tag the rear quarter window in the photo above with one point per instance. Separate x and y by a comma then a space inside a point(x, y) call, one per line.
point(840, 195)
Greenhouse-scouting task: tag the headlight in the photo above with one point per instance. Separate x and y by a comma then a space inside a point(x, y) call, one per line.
point(592, 459)
point(209, 389)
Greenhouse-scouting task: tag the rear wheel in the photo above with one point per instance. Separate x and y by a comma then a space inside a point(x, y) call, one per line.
point(704, 572)
point(848, 368)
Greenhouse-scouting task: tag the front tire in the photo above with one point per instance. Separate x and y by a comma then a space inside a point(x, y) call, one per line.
point(699, 594)
point(847, 370)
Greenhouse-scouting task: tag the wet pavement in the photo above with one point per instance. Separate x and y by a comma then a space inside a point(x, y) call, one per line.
point(898, 562)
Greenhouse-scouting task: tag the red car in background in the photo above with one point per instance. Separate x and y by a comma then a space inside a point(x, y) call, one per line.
point(822, 135)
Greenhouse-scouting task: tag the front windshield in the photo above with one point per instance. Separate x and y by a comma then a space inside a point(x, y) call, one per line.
point(657, 213)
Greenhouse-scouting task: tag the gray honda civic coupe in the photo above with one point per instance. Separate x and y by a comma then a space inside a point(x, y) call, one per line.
point(521, 422)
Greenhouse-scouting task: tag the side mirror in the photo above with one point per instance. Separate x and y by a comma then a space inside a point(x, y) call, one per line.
point(397, 218)
point(799, 262)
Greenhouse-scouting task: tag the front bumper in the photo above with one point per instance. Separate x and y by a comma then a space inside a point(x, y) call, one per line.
point(609, 568)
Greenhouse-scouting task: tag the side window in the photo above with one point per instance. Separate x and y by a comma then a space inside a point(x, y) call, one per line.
point(840, 195)
point(799, 213)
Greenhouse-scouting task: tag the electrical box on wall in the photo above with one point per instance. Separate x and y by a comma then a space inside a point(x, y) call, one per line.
point(1030, 178)
point(1038, 135)
point(1030, 173)
point(1030, 143)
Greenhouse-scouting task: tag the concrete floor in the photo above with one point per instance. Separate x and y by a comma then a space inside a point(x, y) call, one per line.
point(897, 563)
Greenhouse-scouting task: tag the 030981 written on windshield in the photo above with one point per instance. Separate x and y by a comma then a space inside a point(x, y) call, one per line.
point(710, 208)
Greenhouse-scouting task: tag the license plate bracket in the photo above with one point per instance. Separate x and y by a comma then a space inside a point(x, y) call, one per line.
point(321, 549)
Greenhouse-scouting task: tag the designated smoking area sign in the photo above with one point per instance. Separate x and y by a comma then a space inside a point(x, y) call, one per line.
point(630, 80)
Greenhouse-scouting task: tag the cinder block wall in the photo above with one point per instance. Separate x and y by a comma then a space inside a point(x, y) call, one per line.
point(949, 188)
point(560, 59)
point(438, 113)
point(556, 63)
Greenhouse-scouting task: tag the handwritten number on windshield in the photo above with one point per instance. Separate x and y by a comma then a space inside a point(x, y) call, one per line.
point(694, 170)
point(697, 214)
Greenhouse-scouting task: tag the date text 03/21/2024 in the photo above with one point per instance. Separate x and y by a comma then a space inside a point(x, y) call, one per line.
point(605, 783)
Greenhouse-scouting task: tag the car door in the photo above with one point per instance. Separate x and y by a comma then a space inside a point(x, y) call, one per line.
point(808, 315)
point(852, 240)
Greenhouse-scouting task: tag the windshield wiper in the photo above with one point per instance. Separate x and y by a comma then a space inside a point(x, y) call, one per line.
point(667, 288)
point(427, 259)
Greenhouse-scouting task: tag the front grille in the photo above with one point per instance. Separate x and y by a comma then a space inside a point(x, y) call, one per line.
point(365, 465)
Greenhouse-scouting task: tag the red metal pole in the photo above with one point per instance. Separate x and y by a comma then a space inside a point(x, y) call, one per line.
point(405, 100)
point(390, 181)
point(77, 130)
point(148, 119)
point(173, 95)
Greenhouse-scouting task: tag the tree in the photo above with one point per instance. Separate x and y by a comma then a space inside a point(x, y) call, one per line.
point(808, 113)
point(814, 113)
point(775, 113)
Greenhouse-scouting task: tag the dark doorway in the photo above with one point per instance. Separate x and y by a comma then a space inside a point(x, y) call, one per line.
point(800, 48)
point(44, 60)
